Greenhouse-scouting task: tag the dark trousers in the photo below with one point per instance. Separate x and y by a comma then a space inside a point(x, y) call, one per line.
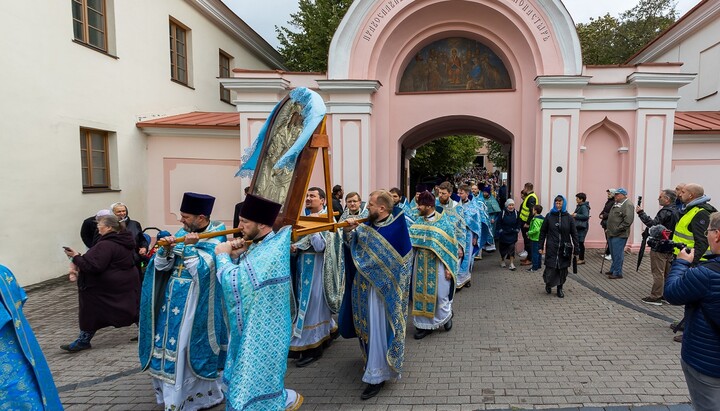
point(581, 246)
point(526, 240)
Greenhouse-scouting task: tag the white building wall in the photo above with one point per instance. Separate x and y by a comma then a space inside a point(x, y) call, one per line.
point(52, 86)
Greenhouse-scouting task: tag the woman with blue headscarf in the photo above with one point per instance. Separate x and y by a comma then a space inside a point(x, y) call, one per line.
point(558, 241)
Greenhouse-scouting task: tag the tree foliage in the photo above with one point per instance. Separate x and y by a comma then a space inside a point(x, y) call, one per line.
point(496, 154)
point(445, 156)
point(306, 43)
point(611, 40)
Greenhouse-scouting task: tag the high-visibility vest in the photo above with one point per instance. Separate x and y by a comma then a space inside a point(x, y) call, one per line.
point(682, 232)
point(525, 210)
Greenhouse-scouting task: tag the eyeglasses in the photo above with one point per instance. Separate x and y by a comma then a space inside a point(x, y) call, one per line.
point(711, 229)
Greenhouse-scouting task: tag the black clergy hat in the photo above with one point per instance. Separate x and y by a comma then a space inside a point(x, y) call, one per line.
point(420, 188)
point(197, 204)
point(426, 198)
point(260, 210)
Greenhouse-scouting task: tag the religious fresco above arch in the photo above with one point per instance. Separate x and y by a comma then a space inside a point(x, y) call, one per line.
point(455, 64)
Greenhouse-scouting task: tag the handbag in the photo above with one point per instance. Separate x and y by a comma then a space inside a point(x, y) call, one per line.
point(567, 250)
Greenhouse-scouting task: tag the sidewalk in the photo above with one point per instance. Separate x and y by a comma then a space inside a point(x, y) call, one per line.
point(512, 346)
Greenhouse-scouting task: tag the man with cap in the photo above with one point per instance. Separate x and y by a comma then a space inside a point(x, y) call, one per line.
point(183, 338)
point(379, 281)
point(620, 218)
point(254, 273)
point(435, 265)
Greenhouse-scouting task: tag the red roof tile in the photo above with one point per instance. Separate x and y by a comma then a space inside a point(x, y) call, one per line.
point(697, 122)
point(196, 119)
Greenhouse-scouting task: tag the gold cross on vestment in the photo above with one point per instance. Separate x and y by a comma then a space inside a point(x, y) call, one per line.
point(179, 269)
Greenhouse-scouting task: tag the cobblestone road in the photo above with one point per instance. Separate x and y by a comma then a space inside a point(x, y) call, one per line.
point(512, 347)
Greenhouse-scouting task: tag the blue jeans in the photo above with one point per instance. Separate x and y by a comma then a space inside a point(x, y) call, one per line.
point(704, 389)
point(617, 251)
point(534, 250)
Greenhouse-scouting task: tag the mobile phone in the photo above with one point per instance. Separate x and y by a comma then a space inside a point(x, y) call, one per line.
point(66, 248)
point(639, 201)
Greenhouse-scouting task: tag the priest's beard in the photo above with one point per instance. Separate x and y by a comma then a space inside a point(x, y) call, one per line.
point(373, 217)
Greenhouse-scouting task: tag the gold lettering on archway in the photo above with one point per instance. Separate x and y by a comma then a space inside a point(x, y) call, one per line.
point(388, 8)
point(526, 8)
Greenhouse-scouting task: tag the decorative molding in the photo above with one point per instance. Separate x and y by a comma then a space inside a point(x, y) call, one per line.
point(255, 106)
point(256, 85)
point(562, 81)
point(349, 86)
point(663, 80)
point(582, 149)
point(569, 103)
point(696, 139)
point(623, 150)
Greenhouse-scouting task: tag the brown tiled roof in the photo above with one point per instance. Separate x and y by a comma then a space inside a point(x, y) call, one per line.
point(697, 122)
point(196, 119)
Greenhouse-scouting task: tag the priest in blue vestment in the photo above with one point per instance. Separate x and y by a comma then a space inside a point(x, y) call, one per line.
point(183, 338)
point(473, 233)
point(434, 267)
point(26, 382)
point(254, 273)
point(375, 306)
point(315, 299)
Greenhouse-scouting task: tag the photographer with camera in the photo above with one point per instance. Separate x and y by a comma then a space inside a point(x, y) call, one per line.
point(698, 288)
point(661, 254)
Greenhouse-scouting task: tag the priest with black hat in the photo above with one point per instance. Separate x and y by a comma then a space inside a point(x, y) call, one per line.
point(183, 338)
point(254, 272)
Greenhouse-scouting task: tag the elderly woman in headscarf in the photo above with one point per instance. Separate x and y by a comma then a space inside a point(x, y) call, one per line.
point(108, 285)
point(558, 241)
point(508, 227)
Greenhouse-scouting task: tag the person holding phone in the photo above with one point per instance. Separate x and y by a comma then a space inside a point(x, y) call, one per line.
point(107, 280)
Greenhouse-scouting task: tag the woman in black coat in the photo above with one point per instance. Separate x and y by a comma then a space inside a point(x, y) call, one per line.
point(108, 283)
point(558, 241)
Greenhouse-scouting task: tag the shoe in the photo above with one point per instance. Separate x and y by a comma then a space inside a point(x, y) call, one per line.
point(468, 284)
point(420, 334)
point(525, 262)
point(560, 293)
point(448, 325)
point(512, 267)
point(664, 301)
point(674, 325)
point(608, 273)
point(532, 270)
point(305, 361)
point(678, 338)
point(477, 257)
point(503, 265)
point(652, 301)
point(614, 277)
point(371, 390)
point(580, 262)
point(608, 257)
point(134, 338)
point(548, 289)
point(76, 346)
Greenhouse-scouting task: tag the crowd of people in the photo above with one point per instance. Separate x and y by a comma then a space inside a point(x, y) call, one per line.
point(218, 318)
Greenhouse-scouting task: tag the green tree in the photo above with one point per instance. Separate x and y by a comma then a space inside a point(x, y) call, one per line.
point(610, 40)
point(444, 156)
point(496, 154)
point(306, 43)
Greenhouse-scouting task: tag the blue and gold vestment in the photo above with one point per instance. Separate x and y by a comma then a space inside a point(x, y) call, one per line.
point(381, 259)
point(25, 381)
point(256, 291)
point(435, 243)
point(165, 296)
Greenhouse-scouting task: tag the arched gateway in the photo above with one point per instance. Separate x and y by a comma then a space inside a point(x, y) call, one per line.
point(403, 72)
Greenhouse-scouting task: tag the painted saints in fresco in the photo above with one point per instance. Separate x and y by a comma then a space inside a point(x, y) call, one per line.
point(455, 64)
point(274, 184)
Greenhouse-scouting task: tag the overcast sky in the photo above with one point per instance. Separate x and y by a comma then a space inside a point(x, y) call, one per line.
point(264, 15)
